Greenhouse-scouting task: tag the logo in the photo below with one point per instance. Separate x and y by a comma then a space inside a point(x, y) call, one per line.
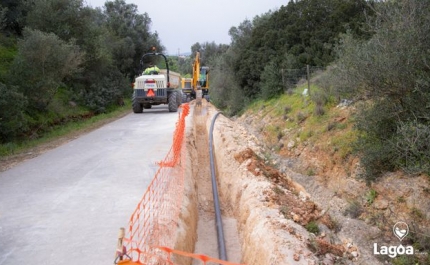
point(400, 230)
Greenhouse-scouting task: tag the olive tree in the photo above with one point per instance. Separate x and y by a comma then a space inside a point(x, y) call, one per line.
point(42, 63)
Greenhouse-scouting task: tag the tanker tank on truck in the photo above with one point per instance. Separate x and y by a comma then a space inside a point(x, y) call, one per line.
point(156, 87)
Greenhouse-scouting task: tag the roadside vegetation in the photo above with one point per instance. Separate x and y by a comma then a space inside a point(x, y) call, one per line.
point(368, 100)
point(62, 61)
point(373, 54)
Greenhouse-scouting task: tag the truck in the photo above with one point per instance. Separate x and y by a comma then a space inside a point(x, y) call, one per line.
point(156, 88)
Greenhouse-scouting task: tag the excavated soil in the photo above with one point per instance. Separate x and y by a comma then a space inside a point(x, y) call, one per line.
point(267, 211)
point(206, 228)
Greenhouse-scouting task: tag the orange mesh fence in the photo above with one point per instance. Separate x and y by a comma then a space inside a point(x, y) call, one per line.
point(155, 219)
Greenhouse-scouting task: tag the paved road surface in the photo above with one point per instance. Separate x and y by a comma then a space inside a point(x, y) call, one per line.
point(66, 206)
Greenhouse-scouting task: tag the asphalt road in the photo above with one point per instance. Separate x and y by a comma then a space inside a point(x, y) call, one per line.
point(67, 205)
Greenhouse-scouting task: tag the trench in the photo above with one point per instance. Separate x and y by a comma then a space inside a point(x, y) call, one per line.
point(206, 242)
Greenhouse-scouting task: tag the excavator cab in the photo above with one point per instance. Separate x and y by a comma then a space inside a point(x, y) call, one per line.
point(203, 79)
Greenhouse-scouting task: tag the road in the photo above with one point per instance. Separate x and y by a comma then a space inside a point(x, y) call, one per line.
point(67, 205)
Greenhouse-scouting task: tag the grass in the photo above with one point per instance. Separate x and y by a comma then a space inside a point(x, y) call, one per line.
point(330, 131)
point(354, 209)
point(312, 227)
point(371, 196)
point(63, 130)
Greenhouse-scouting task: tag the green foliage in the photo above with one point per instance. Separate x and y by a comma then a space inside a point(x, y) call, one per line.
point(208, 51)
point(412, 147)
point(225, 93)
point(391, 70)
point(297, 34)
point(42, 63)
point(264, 50)
point(7, 54)
point(271, 81)
point(354, 209)
point(371, 196)
point(12, 104)
point(13, 16)
point(89, 55)
point(312, 227)
point(132, 32)
point(61, 17)
point(106, 91)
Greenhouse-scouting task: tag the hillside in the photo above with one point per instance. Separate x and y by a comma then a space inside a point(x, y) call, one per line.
point(314, 147)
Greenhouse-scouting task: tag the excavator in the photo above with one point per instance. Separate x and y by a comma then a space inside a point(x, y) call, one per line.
point(199, 80)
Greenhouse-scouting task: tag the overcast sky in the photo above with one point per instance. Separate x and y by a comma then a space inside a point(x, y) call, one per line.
point(181, 23)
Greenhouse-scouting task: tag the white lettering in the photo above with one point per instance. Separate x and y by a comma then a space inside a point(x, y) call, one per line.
point(375, 249)
point(392, 251)
point(410, 250)
point(401, 250)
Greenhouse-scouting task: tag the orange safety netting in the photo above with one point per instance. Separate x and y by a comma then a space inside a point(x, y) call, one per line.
point(155, 219)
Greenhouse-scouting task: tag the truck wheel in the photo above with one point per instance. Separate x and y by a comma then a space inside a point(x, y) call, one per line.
point(173, 104)
point(179, 97)
point(137, 107)
point(207, 98)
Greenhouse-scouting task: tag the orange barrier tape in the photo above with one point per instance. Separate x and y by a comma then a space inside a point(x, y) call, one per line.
point(155, 219)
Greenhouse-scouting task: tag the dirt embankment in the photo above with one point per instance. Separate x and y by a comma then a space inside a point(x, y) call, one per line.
point(274, 212)
point(363, 215)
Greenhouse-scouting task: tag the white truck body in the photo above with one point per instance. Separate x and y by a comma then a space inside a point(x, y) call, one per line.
point(160, 80)
point(175, 78)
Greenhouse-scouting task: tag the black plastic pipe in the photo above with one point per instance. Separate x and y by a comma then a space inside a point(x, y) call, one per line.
point(218, 219)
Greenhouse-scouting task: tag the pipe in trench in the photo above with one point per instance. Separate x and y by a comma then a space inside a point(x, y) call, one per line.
point(218, 219)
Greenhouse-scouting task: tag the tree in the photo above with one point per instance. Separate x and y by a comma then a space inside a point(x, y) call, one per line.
point(305, 29)
point(132, 35)
point(64, 18)
point(392, 71)
point(271, 80)
point(13, 15)
point(42, 63)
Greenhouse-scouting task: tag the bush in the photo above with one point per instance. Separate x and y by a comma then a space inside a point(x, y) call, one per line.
point(390, 71)
point(12, 105)
point(225, 93)
point(42, 63)
point(312, 227)
point(107, 91)
point(354, 209)
point(412, 147)
point(271, 81)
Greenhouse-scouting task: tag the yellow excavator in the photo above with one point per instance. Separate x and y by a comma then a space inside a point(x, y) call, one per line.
point(199, 80)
